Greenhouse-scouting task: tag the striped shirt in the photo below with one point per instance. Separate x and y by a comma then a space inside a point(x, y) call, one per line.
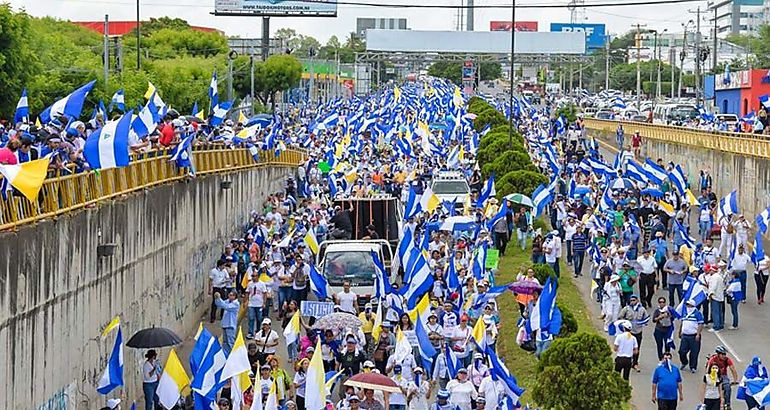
point(579, 242)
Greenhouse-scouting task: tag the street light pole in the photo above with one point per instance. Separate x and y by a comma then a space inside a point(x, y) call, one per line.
point(657, 50)
point(513, 57)
point(607, 63)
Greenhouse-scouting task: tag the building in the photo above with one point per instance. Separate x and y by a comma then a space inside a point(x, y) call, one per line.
point(365, 23)
point(121, 28)
point(738, 93)
point(670, 45)
point(737, 16)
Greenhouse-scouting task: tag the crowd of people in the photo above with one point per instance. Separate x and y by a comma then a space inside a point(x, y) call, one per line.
point(653, 260)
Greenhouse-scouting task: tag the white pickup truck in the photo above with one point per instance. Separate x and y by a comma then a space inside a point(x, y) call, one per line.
point(351, 260)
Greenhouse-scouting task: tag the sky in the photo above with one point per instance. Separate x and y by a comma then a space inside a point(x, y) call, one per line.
point(197, 12)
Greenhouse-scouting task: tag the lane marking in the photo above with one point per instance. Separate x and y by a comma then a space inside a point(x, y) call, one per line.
point(729, 348)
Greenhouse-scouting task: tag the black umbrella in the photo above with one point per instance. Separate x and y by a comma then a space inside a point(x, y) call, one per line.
point(153, 337)
point(192, 118)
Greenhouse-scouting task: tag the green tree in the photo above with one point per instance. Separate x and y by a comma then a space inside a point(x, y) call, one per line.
point(278, 73)
point(155, 24)
point(577, 373)
point(17, 59)
point(521, 182)
point(170, 43)
point(290, 40)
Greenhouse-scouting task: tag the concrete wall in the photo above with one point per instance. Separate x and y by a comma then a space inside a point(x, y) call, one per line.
point(56, 295)
point(747, 174)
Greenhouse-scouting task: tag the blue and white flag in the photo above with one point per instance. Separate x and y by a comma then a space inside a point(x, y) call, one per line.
point(180, 154)
point(207, 361)
point(404, 249)
point(545, 312)
point(655, 172)
point(729, 204)
point(636, 172)
point(479, 261)
point(498, 371)
point(678, 179)
point(412, 207)
point(70, 105)
point(213, 92)
point(763, 220)
point(488, 296)
point(606, 203)
point(695, 292)
point(498, 216)
point(113, 374)
point(688, 240)
point(540, 198)
point(452, 362)
point(382, 282)
point(487, 192)
point(420, 280)
point(318, 284)
point(22, 109)
point(118, 100)
point(220, 113)
point(145, 123)
point(759, 389)
point(427, 351)
point(758, 253)
point(108, 146)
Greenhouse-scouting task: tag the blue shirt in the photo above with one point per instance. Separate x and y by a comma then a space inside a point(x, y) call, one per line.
point(230, 318)
point(667, 378)
point(659, 247)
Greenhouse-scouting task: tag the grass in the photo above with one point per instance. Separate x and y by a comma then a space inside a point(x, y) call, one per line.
point(523, 364)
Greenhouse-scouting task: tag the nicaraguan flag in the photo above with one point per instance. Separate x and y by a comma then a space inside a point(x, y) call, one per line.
point(636, 172)
point(544, 309)
point(759, 389)
point(695, 292)
point(763, 220)
point(540, 198)
point(220, 112)
point(758, 253)
point(213, 93)
point(427, 351)
point(22, 109)
point(207, 361)
point(318, 284)
point(452, 362)
point(144, 124)
point(500, 215)
point(678, 179)
point(655, 172)
point(487, 192)
point(108, 146)
point(606, 203)
point(479, 261)
point(688, 240)
point(498, 371)
point(412, 204)
point(729, 204)
point(179, 154)
point(488, 296)
point(452, 280)
point(383, 286)
point(118, 100)
point(420, 280)
point(70, 105)
point(113, 374)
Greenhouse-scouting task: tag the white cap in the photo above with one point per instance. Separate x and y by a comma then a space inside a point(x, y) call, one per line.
point(113, 403)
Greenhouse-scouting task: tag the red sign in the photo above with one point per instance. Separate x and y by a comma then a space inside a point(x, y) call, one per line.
point(506, 26)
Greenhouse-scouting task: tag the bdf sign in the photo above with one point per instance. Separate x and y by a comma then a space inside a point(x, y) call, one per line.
point(595, 33)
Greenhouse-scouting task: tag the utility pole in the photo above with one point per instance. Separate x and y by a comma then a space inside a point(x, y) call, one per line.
point(697, 56)
point(106, 51)
point(469, 17)
point(230, 59)
point(607, 63)
point(138, 39)
point(513, 58)
point(716, 44)
point(638, 64)
point(658, 92)
point(672, 60)
point(251, 79)
point(682, 56)
point(265, 37)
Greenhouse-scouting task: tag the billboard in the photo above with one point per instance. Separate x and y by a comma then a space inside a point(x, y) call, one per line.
point(595, 33)
point(495, 42)
point(506, 26)
point(278, 8)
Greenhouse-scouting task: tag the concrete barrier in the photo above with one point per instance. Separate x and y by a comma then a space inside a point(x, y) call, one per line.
point(748, 174)
point(57, 295)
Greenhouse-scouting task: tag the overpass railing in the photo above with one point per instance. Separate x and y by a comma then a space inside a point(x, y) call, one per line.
point(62, 194)
point(736, 143)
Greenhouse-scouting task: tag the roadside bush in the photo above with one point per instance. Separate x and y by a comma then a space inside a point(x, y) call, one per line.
point(489, 116)
point(519, 182)
point(577, 373)
point(509, 161)
point(543, 271)
point(569, 325)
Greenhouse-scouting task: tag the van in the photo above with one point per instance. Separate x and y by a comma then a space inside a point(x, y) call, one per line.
point(451, 187)
point(351, 260)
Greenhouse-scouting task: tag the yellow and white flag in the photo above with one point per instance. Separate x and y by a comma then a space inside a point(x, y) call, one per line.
point(311, 241)
point(291, 333)
point(27, 177)
point(173, 381)
point(315, 384)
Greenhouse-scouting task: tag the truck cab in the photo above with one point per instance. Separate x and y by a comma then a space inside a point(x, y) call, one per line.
point(351, 260)
point(451, 187)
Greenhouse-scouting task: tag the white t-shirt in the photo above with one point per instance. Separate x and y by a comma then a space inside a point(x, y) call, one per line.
point(219, 278)
point(148, 373)
point(347, 301)
point(256, 291)
point(647, 265)
point(270, 338)
point(399, 398)
point(464, 333)
point(626, 344)
point(461, 394)
point(569, 230)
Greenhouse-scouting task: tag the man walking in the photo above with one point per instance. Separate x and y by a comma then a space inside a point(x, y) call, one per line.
point(625, 347)
point(638, 316)
point(676, 268)
point(666, 384)
point(689, 332)
point(230, 318)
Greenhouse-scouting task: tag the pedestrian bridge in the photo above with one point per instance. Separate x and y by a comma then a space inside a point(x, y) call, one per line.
point(735, 160)
point(137, 242)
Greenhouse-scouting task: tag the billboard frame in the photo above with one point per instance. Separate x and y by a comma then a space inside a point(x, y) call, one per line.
point(257, 13)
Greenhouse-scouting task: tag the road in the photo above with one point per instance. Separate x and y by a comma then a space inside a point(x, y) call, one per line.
point(749, 340)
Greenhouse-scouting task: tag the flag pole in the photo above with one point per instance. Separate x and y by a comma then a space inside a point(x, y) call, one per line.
point(513, 54)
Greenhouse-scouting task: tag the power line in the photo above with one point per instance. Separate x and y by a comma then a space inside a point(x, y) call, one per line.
point(420, 6)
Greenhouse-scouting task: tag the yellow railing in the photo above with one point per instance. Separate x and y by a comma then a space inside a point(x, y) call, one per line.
point(61, 194)
point(732, 142)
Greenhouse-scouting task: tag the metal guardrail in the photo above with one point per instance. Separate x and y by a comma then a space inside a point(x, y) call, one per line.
point(62, 194)
point(755, 145)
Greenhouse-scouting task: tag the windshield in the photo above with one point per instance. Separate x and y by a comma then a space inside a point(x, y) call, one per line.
point(357, 267)
point(450, 187)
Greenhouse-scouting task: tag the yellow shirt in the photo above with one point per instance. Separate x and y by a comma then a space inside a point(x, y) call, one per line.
point(366, 325)
point(686, 254)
